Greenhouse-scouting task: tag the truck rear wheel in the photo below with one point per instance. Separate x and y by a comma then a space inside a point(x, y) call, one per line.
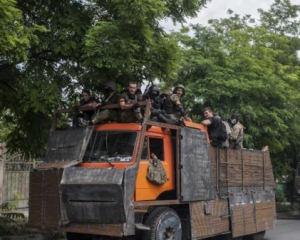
point(228, 237)
point(255, 236)
point(74, 236)
point(164, 224)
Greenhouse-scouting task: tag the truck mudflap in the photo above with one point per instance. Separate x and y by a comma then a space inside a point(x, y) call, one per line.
point(93, 196)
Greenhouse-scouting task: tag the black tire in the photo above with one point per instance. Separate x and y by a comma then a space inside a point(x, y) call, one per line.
point(74, 236)
point(164, 224)
point(228, 237)
point(255, 236)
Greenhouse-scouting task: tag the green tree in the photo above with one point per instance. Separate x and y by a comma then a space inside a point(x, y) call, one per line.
point(236, 64)
point(53, 48)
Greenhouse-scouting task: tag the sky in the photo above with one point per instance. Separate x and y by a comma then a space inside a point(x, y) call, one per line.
point(217, 9)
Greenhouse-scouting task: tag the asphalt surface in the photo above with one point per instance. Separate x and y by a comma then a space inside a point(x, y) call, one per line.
point(287, 227)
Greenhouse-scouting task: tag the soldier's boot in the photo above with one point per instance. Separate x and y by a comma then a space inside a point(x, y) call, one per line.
point(164, 119)
point(84, 123)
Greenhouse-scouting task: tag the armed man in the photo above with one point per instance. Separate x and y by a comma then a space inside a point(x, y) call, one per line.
point(157, 114)
point(237, 133)
point(129, 110)
point(172, 104)
point(111, 97)
point(87, 100)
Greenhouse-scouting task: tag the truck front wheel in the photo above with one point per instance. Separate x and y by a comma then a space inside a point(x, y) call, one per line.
point(164, 224)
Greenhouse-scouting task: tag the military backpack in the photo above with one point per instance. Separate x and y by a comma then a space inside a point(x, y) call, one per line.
point(156, 173)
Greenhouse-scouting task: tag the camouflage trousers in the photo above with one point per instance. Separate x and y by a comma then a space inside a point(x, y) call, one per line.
point(106, 114)
point(129, 115)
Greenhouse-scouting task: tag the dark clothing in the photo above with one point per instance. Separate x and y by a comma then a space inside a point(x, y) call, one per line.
point(129, 115)
point(86, 115)
point(168, 105)
point(156, 103)
point(111, 98)
point(214, 130)
point(107, 114)
point(171, 107)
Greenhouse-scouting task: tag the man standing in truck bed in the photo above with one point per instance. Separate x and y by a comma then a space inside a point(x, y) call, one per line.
point(237, 135)
point(130, 110)
point(213, 127)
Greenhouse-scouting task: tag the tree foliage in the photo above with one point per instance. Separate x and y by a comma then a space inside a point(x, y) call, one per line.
point(50, 49)
point(236, 64)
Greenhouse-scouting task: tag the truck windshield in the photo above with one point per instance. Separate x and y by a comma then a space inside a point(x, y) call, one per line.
point(110, 146)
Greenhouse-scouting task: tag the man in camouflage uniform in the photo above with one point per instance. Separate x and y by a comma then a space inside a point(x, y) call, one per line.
point(172, 105)
point(111, 97)
point(129, 110)
point(237, 133)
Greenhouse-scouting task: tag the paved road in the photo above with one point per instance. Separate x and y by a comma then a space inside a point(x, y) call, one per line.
point(286, 229)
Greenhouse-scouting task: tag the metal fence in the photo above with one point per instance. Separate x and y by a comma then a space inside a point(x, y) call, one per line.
point(14, 177)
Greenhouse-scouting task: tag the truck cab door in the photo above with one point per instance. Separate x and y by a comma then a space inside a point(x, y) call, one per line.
point(162, 148)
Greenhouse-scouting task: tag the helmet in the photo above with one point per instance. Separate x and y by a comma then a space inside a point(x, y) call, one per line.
point(138, 91)
point(154, 88)
point(179, 86)
point(235, 116)
point(110, 84)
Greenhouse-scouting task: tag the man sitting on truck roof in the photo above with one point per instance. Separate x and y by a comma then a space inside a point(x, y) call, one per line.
point(111, 96)
point(172, 105)
point(87, 100)
point(129, 110)
point(157, 113)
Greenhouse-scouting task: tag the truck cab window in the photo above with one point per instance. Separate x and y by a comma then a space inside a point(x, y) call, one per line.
point(114, 146)
point(157, 147)
point(153, 145)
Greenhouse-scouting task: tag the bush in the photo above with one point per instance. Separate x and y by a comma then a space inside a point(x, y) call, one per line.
point(279, 196)
point(285, 208)
point(11, 222)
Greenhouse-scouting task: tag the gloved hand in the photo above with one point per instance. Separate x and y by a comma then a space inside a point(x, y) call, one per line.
point(181, 110)
point(155, 112)
point(179, 123)
point(136, 105)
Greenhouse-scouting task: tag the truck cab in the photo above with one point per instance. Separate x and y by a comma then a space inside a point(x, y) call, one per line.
point(114, 145)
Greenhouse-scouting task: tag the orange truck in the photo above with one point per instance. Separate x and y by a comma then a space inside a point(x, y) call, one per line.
point(93, 185)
